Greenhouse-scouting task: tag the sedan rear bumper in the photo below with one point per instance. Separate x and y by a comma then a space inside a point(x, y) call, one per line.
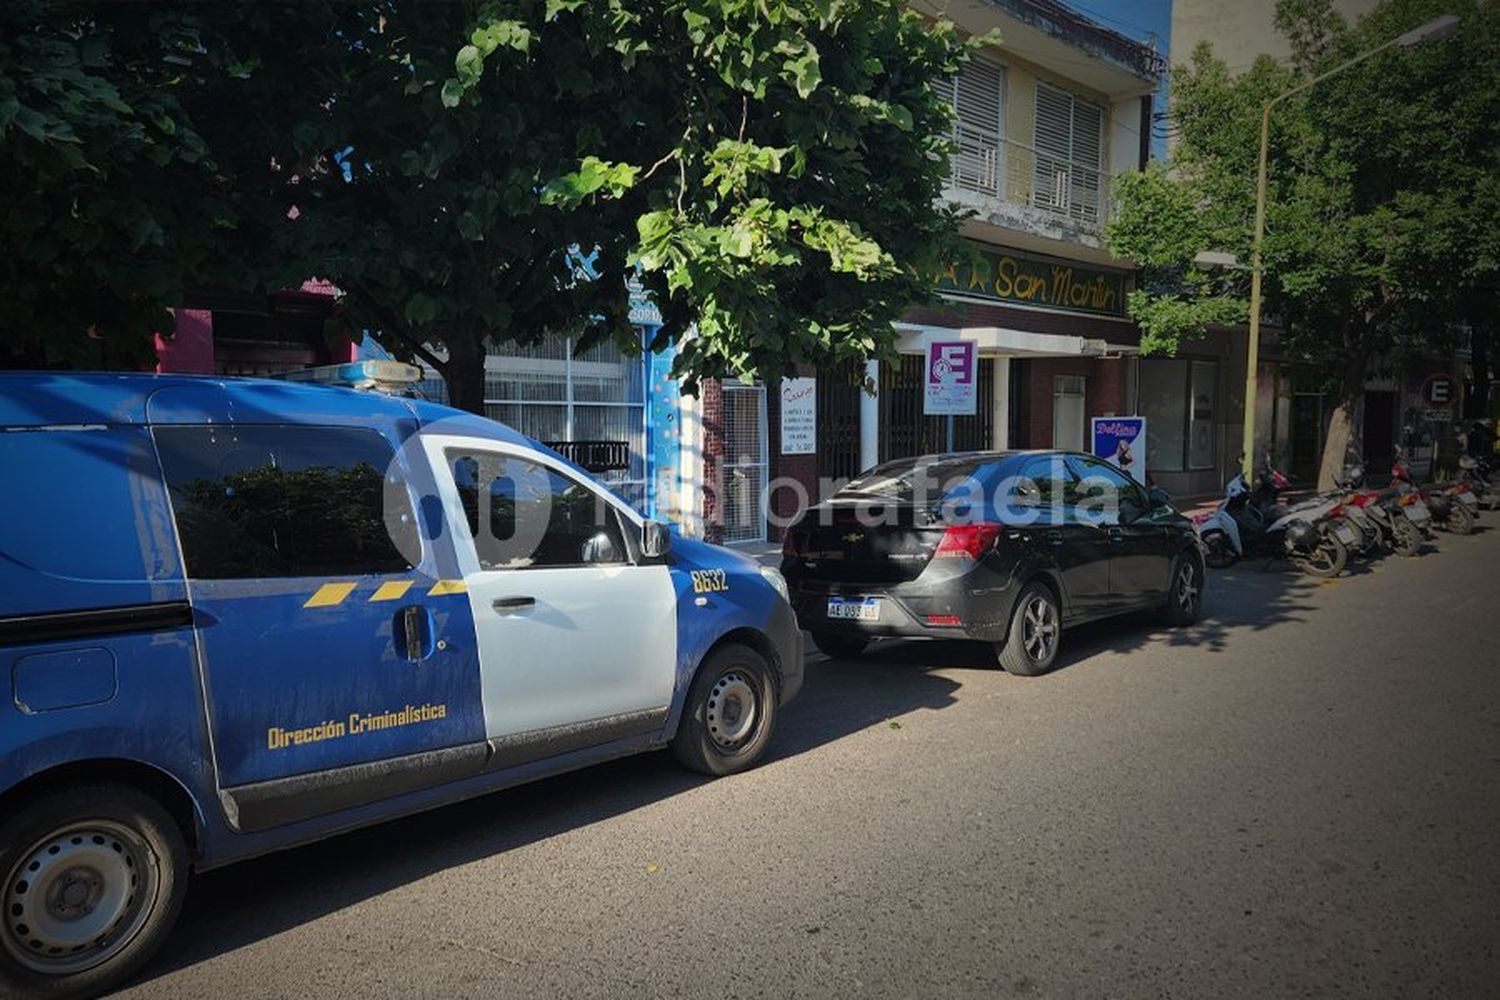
point(967, 602)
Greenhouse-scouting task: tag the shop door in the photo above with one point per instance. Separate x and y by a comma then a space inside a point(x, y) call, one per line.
point(744, 462)
point(839, 390)
point(905, 431)
point(1380, 432)
point(1069, 420)
point(1307, 436)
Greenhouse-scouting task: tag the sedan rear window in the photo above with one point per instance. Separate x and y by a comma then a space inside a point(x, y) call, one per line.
point(912, 480)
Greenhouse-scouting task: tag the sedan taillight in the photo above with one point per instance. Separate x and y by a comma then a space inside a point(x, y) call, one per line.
point(969, 541)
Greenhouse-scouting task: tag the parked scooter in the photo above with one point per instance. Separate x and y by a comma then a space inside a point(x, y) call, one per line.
point(1249, 521)
point(1475, 473)
point(1454, 506)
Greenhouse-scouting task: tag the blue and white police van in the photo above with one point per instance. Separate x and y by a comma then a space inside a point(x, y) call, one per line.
point(240, 615)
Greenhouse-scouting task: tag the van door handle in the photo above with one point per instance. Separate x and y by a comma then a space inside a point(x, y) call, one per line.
point(1116, 536)
point(413, 632)
point(507, 604)
point(1055, 537)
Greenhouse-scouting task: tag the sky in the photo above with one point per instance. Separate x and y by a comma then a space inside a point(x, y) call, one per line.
point(1138, 19)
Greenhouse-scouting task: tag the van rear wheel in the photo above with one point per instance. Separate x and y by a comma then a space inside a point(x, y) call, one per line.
point(94, 877)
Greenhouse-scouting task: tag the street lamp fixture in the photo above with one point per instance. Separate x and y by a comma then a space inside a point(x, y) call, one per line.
point(1218, 258)
point(1435, 30)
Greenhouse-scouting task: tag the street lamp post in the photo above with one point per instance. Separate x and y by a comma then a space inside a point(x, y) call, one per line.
point(1434, 30)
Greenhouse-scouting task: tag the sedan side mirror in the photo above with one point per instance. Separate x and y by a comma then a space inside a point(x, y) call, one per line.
point(656, 540)
point(1160, 497)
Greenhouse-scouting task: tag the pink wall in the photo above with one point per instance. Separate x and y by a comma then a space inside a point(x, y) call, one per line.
point(190, 349)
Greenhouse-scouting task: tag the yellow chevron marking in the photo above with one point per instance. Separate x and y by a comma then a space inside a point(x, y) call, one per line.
point(391, 590)
point(447, 587)
point(329, 594)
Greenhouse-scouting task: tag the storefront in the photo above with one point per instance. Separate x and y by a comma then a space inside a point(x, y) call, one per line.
point(1054, 346)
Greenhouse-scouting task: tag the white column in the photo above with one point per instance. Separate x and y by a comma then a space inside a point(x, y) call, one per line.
point(689, 501)
point(869, 418)
point(1001, 404)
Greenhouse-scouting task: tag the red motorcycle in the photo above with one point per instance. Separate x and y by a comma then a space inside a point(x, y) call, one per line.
point(1453, 505)
point(1400, 517)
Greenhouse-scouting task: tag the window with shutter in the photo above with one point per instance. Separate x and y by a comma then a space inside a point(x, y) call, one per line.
point(977, 93)
point(1069, 154)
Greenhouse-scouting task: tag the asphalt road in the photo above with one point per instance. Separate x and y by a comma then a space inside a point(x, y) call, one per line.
point(1299, 797)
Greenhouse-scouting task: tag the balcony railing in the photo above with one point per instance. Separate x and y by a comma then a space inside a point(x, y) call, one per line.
point(1022, 175)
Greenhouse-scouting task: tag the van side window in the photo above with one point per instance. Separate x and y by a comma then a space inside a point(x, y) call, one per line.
point(525, 515)
point(273, 501)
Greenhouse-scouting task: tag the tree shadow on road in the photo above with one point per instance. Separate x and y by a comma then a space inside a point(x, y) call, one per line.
point(239, 905)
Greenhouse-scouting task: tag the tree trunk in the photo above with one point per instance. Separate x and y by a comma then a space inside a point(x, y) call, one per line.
point(1343, 444)
point(465, 372)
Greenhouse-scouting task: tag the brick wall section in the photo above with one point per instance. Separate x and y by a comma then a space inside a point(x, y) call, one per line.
point(1107, 395)
point(803, 469)
point(712, 410)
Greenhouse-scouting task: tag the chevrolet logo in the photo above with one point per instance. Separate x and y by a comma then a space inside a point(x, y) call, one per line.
point(854, 536)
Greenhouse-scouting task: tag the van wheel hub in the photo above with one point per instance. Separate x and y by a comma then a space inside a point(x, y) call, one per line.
point(78, 897)
point(732, 711)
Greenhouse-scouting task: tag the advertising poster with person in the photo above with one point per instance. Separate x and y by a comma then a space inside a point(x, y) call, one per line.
point(1121, 441)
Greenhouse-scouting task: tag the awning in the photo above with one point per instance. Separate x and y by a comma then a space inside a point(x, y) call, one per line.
point(999, 341)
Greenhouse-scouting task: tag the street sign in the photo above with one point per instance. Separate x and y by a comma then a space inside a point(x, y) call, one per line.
point(952, 378)
point(799, 416)
point(1440, 391)
point(1121, 441)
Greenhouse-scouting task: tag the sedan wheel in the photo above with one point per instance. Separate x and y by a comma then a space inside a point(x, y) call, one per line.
point(1035, 632)
point(1185, 599)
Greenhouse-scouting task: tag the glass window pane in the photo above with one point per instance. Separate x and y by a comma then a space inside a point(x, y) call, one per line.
point(267, 501)
point(1204, 397)
point(1161, 385)
point(523, 514)
point(534, 373)
point(542, 421)
point(604, 374)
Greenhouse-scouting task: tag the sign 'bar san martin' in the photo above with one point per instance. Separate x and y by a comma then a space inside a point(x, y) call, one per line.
point(1006, 276)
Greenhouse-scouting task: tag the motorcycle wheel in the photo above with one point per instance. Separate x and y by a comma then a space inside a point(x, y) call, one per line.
point(1218, 552)
point(1461, 519)
point(1326, 561)
point(1368, 539)
point(1406, 540)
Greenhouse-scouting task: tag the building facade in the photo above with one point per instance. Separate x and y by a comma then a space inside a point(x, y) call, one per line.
point(1045, 121)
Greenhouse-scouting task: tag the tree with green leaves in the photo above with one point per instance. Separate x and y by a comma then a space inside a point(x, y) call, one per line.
point(116, 200)
point(1384, 184)
point(474, 173)
point(768, 172)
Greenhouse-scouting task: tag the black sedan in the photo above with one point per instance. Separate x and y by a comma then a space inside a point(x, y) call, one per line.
point(1003, 547)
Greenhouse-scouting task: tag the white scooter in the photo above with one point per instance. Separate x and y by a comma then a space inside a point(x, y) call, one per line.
point(1308, 534)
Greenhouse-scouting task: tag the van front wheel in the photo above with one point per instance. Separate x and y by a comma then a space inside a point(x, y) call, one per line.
point(94, 879)
point(729, 713)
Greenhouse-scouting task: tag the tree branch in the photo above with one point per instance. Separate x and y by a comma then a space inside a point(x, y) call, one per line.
point(390, 323)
